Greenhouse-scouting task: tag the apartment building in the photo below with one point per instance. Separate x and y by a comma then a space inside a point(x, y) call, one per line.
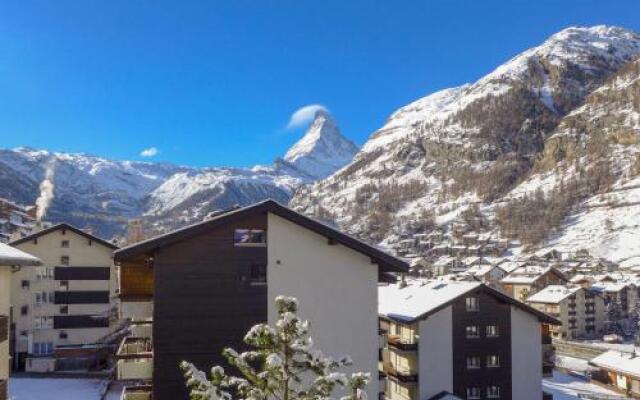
point(622, 292)
point(10, 258)
point(204, 286)
point(66, 304)
point(459, 339)
point(529, 279)
point(582, 311)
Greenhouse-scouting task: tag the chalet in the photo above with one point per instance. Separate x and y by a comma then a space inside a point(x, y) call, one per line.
point(527, 280)
point(9, 258)
point(487, 273)
point(620, 371)
point(460, 338)
point(202, 287)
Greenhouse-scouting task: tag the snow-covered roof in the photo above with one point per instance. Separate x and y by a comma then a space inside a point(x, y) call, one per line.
point(553, 294)
point(610, 287)
point(618, 361)
point(510, 266)
point(419, 297)
point(442, 261)
point(12, 256)
point(480, 269)
point(526, 275)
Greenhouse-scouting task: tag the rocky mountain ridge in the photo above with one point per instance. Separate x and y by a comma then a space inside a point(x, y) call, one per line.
point(484, 145)
point(103, 195)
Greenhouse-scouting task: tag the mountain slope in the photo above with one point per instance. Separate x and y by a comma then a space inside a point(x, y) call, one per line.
point(104, 195)
point(479, 143)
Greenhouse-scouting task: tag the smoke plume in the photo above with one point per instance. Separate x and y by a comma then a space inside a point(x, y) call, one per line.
point(46, 190)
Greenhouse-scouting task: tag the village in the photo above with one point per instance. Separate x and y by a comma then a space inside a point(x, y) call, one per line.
point(97, 308)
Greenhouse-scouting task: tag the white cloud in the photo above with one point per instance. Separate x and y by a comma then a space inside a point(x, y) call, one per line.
point(150, 152)
point(304, 115)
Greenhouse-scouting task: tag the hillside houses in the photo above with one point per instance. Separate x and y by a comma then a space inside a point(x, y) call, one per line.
point(15, 221)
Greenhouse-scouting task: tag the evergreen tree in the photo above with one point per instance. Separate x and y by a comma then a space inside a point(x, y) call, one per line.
point(283, 365)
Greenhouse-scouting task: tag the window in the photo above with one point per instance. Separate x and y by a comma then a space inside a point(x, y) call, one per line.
point(64, 284)
point(64, 309)
point(43, 348)
point(64, 260)
point(493, 361)
point(52, 298)
point(473, 393)
point(472, 304)
point(37, 297)
point(64, 244)
point(249, 237)
point(473, 362)
point(493, 392)
point(492, 331)
point(24, 310)
point(258, 273)
point(63, 335)
point(25, 284)
point(472, 331)
point(42, 322)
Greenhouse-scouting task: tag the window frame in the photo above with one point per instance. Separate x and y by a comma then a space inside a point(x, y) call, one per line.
point(472, 304)
point(490, 361)
point(493, 395)
point(471, 395)
point(496, 329)
point(258, 280)
point(472, 365)
point(65, 244)
point(250, 232)
point(468, 328)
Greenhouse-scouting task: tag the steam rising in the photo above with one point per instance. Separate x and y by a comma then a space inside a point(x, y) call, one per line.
point(46, 190)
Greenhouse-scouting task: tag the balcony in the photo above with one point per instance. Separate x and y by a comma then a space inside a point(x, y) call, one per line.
point(136, 309)
point(399, 343)
point(135, 359)
point(141, 329)
point(401, 374)
point(4, 328)
point(142, 392)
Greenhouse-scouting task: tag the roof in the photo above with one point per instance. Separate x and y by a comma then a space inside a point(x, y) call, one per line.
point(12, 256)
point(553, 294)
point(67, 227)
point(444, 395)
point(529, 274)
point(421, 298)
point(386, 261)
point(480, 269)
point(627, 363)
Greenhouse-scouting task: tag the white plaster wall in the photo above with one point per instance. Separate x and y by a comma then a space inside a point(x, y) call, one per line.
point(5, 287)
point(526, 356)
point(435, 354)
point(337, 290)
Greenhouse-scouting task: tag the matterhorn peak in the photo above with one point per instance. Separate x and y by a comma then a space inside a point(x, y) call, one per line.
point(323, 149)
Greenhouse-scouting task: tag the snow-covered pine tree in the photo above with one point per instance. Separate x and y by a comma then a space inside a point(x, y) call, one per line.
point(282, 365)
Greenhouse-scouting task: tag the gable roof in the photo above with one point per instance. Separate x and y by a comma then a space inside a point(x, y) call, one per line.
point(421, 298)
point(386, 261)
point(67, 227)
point(553, 294)
point(13, 256)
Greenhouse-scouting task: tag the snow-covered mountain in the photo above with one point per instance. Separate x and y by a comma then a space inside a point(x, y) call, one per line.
point(323, 150)
point(104, 195)
point(574, 97)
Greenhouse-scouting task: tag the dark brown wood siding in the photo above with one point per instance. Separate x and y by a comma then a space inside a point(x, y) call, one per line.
point(203, 302)
point(3, 390)
point(492, 312)
point(82, 273)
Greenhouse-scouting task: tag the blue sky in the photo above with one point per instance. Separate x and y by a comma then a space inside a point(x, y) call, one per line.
point(215, 82)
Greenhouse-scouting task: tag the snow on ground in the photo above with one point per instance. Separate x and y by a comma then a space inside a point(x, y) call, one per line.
point(54, 389)
point(567, 387)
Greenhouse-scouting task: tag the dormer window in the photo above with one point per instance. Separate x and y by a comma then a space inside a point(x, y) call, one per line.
point(249, 238)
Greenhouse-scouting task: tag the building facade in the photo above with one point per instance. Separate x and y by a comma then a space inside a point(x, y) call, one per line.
point(530, 279)
point(10, 258)
point(68, 302)
point(582, 311)
point(461, 338)
point(201, 288)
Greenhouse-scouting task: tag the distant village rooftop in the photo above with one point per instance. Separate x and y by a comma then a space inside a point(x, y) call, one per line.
point(626, 363)
point(553, 294)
